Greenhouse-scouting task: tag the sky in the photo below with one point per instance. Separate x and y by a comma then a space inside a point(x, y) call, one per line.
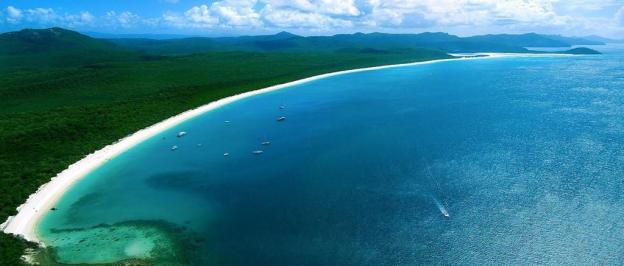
point(318, 17)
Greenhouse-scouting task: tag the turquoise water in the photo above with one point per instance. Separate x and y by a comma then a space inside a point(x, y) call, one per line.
point(525, 154)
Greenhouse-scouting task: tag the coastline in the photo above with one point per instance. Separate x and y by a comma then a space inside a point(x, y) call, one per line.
point(25, 222)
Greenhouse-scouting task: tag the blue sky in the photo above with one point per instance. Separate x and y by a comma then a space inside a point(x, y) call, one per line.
point(318, 17)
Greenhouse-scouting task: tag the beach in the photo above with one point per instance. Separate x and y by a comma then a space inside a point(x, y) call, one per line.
point(24, 224)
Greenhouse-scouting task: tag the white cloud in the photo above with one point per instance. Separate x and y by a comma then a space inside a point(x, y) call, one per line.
point(249, 14)
point(40, 15)
point(173, 19)
point(578, 17)
point(237, 13)
point(290, 18)
point(585, 5)
point(124, 19)
point(345, 7)
point(48, 17)
point(81, 19)
point(223, 14)
point(14, 14)
point(619, 17)
point(201, 16)
point(326, 7)
point(398, 13)
point(86, 17)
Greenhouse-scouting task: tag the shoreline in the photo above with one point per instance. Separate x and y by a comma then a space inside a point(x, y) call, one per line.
point(25, 222)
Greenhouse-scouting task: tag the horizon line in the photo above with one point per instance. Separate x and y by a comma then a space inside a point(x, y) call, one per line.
point(276, 32)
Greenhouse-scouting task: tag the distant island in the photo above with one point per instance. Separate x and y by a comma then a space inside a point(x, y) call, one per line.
point(65, 94)
point(581, 50)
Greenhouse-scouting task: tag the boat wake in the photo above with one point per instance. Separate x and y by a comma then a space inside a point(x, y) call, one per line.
point(436, 189)
point(441, 207)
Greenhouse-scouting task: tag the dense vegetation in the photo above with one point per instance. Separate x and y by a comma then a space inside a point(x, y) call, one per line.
point(57, 47)
point(64, 95)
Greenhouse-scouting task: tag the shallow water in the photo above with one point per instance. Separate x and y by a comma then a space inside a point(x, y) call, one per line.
point(525, 154)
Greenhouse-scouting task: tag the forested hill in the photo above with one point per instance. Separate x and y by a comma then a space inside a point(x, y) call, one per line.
point(285, 41)
point(57, 40)
point(61, 47)
point(57, 47)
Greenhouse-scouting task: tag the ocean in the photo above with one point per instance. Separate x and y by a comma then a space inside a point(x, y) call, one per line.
point(516, 160)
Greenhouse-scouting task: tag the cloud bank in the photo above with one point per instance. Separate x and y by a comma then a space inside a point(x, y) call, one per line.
point(576, 17)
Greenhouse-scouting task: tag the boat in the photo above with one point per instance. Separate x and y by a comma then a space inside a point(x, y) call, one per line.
point(281, 118)
point(266, 143)
point(174, 147)
point(257, 152)
point(181, 134)
point(282, 107)
point(226, 154)
point(445, 213)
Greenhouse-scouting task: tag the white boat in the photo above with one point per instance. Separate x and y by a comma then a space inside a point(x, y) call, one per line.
point(174, 147)
point(226, 154)
point(257, 152)
point(445, 212)
point(281, 118)
point(181, 134)
point(266, 143)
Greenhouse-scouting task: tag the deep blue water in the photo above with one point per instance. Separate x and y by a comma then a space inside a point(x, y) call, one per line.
point(526, 154)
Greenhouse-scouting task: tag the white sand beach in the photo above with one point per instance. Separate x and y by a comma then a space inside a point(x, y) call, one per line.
point(24, 224)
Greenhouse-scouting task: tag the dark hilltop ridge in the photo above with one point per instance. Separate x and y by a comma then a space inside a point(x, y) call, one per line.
point(59, 42)
point(55, 40)
point(61, 47)
point(288, 42)
point(57, 47)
